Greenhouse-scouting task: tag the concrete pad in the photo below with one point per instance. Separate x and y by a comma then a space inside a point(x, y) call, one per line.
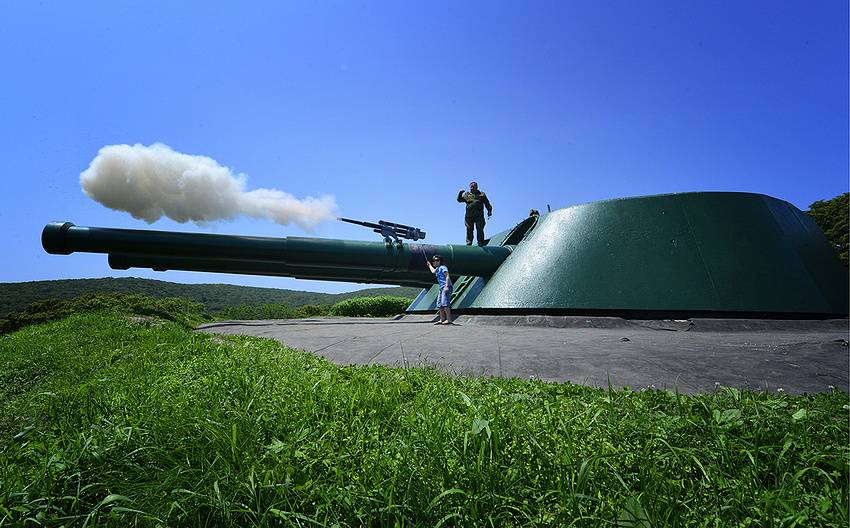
point(690, 355)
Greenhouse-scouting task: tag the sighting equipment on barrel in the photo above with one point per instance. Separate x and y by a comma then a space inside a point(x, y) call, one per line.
point(391, 231)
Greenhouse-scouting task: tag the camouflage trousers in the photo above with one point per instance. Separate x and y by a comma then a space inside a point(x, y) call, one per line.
point(476, 222)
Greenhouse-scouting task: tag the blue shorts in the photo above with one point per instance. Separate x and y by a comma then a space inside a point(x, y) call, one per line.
point(444, 299)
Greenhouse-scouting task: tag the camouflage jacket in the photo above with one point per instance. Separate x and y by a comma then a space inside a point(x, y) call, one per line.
point(475, 203)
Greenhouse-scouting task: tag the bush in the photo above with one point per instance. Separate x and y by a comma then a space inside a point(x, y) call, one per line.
point(263, 311)
point(382, 306)
point(311, 310)
point(174, 309)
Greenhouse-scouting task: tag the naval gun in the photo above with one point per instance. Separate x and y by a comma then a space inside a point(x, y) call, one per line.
point(299, 257)
point(707, 254)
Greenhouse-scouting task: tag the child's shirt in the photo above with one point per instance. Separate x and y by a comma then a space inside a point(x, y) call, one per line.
point(442, 273)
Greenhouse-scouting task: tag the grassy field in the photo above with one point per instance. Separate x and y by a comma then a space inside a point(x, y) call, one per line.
point(116, 420)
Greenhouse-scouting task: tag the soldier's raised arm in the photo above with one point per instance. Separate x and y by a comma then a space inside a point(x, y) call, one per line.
point(460, 196)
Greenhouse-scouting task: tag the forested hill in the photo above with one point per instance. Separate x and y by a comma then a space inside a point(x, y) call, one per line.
point(15, 296)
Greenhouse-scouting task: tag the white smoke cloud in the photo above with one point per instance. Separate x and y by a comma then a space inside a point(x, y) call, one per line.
point(150, 182)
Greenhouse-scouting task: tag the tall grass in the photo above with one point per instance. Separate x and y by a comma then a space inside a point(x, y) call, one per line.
point(175, 309)
point(110, 421)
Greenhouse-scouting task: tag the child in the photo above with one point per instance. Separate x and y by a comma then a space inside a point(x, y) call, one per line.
point(444, 298)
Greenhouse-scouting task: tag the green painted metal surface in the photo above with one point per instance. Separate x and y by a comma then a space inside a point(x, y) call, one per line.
point(313, 258)
point(467, 288)
point(690, 253)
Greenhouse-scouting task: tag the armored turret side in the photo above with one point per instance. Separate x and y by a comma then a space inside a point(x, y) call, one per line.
point(679, 254)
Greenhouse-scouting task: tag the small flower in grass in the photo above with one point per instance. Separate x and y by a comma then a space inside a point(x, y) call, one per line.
point(832, 388)
point(780, 390)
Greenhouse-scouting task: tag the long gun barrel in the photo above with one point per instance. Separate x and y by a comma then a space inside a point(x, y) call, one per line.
point(306, 258)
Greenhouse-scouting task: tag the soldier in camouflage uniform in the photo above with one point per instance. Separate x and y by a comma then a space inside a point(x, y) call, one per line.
point(475, 201)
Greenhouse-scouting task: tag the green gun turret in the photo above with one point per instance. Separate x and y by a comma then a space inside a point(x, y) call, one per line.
point(709, 254)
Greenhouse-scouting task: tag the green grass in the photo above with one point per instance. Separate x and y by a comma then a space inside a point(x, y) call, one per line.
point(109, 420)
point(182, 311)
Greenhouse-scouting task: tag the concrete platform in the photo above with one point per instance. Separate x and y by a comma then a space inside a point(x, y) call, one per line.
point(691, 355)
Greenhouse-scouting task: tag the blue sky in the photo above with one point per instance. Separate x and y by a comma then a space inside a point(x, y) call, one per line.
point(392, 107)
